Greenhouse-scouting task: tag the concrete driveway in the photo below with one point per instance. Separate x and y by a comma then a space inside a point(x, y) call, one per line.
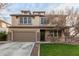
point(16, 49)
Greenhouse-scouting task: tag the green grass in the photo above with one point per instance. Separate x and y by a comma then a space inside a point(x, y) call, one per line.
point(47, 49)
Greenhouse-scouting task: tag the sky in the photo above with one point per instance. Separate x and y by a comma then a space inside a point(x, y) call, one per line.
point(33, 6)
point(17, 7)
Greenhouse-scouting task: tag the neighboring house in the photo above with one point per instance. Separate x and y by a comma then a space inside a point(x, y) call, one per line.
point(34, 27)
point(3, 25)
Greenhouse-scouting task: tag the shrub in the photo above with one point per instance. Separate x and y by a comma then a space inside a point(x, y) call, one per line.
point(3, 36)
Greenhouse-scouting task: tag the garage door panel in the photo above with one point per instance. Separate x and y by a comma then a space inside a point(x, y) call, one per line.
point(24, 36)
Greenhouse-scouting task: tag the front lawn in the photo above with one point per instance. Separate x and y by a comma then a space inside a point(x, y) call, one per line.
point(48, 49)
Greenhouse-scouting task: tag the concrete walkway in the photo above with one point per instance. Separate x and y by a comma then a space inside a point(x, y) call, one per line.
point(16, 49)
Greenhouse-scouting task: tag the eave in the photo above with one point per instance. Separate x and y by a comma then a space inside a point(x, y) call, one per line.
point(38, 27)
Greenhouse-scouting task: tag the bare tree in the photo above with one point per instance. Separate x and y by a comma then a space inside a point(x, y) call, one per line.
point(57, 20)
point(69, 21)
point(3, 5)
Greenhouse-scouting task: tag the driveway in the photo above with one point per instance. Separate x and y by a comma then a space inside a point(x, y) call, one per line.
point(16, 49)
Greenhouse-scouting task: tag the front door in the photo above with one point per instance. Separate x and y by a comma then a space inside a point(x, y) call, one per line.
point(42, 35)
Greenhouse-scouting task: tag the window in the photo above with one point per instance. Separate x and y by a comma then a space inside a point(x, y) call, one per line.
point(55, 33)
point(43, 20)
point(29, 20)
point(21, 20)
point(25, 20)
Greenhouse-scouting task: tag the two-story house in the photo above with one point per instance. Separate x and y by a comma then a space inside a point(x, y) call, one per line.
point(34, 27)
point(3, 25)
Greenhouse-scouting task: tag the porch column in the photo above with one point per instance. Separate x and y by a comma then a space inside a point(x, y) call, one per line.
point(9, 36)
point(38, 36)
point(62, 39)
point(57, 33)
point(47, 36)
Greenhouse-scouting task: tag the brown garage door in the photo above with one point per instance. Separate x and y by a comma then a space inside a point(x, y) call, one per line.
point(24, 36)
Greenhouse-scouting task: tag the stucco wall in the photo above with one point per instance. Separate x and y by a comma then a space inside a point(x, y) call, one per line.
point(23, 29)
point(3, 26)
point(16, 20)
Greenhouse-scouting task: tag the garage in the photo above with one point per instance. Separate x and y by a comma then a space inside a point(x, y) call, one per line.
point(25, 36)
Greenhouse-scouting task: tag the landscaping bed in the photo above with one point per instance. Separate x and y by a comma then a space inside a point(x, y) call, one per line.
point(58, 49)
point(3, 36)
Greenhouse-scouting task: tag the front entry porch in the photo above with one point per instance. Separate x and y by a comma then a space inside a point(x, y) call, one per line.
point(54, 35)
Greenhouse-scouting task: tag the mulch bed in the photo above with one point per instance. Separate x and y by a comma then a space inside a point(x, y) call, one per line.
point(35, 50)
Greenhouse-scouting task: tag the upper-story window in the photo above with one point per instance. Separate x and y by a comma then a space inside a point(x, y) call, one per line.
point(43, 20)
point(25, 20)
